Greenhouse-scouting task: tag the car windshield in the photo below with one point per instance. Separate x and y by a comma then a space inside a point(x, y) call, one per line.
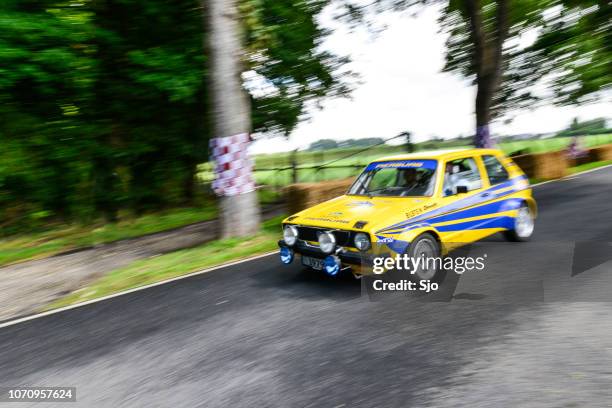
point(400, 178)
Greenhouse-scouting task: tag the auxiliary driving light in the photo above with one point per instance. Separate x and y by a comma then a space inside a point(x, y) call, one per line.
point(286, 255)
point(290, 235)
point(332, 265)
point(362, 242)
point(327, 242)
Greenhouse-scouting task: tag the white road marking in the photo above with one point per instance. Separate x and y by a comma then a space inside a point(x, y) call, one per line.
point(77, 305)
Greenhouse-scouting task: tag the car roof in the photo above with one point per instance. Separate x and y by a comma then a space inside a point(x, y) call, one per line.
point(438, 154)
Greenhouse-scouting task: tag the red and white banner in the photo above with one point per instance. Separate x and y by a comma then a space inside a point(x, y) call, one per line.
point(233, 166)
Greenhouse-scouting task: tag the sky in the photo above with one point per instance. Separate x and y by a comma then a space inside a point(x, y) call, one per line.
point(401, 88)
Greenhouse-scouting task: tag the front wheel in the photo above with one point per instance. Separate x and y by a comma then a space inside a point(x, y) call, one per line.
point(524, 224)
point(426, 246)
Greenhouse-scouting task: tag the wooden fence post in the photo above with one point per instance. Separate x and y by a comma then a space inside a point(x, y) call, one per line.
point(294, 174)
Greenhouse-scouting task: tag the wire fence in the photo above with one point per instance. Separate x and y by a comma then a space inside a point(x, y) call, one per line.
point(320, 167)
point(275, 171)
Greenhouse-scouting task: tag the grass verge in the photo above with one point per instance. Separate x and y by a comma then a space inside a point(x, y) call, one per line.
point(589, 166)
point(47, 243)
point(159, 268)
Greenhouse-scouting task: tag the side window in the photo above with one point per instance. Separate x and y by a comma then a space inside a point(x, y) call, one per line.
point(461, 172)
point(495, 170)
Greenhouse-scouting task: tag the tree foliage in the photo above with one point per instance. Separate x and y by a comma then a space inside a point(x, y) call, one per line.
point(570, 57)
point(573, 53)
point(483, 45)
point(103, 102)
point(290, 68)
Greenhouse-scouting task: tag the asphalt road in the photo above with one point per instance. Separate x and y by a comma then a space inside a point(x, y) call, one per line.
point(524, 332)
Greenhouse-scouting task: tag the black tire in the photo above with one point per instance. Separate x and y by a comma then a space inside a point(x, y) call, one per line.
point(432, 248)
point(520, 233)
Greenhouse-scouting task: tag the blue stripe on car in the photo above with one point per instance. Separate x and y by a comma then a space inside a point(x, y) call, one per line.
point(466, 202)
point(486, 209)
point(495, 222)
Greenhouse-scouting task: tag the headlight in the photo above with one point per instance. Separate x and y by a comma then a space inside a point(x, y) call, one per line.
point(327, 242)
point(290, 235)
point(362, 242)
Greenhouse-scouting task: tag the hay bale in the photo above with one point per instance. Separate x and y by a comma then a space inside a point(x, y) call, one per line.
point(601, 153)
point(304, 195)
point(543, 166)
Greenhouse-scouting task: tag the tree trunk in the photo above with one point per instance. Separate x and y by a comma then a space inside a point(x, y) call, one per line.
point(488, 58)
point(484, 99)
point(231, 113)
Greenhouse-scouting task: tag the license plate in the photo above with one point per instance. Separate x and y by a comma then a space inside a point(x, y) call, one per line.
point(314, 263)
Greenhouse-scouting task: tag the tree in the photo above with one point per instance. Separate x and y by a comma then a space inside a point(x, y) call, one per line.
point(284, 56)
point(148, 102)
point(573, 44)
point(572, 54)
point(323, 144)
point(45, 81)
point(231, 112)
point(588, 127)
point(287, 72)
point(102, 101)
point(477, 48)
point(477, 34)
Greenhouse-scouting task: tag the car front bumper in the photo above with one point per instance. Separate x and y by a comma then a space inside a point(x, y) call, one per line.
point(348, 258)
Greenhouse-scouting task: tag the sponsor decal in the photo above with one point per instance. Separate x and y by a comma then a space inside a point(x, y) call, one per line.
point(418, 211)
point(326, 220)
point(360, 204)
point(385, 240)
point(426, 164)
point(414, 213)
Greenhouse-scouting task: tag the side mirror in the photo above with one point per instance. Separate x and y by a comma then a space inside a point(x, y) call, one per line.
point(461, 189)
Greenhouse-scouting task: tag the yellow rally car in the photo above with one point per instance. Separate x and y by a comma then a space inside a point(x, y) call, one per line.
point(420, 204)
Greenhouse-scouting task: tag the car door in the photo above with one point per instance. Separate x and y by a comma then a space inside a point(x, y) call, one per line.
point(498, 178)
point(463, 188)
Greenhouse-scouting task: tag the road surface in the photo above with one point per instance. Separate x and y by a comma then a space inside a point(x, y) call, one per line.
point(523, 333)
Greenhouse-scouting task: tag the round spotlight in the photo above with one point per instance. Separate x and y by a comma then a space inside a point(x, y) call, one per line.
point(332, 265)
point(327, 242)
point(362, 242)
point(286, 255)
point(290, 235)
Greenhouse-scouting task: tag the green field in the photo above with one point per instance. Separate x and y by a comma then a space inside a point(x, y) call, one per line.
point(307, 159)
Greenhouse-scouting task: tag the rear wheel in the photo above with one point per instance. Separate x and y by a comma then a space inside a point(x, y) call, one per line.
point(524, 225)
point(426, 246)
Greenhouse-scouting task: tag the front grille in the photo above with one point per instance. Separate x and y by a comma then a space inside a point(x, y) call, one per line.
point(343, 238)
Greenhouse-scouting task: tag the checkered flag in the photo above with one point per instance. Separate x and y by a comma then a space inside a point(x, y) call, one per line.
point(233, 167)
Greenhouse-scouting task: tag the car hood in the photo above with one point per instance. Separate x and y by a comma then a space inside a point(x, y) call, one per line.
point(344, 211)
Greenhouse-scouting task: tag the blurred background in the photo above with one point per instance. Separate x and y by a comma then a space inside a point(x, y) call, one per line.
point(105, 105)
